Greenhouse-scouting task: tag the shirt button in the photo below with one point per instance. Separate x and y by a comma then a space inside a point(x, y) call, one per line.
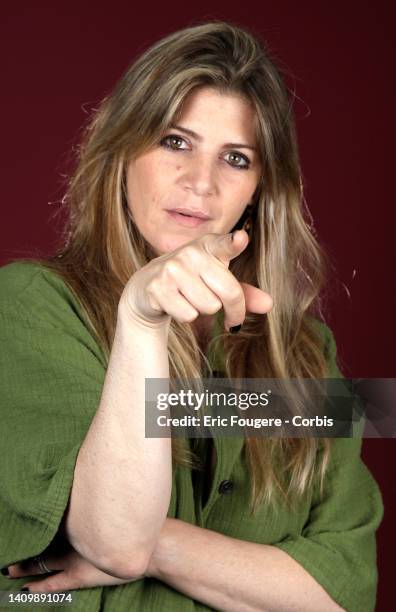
point(226, 486)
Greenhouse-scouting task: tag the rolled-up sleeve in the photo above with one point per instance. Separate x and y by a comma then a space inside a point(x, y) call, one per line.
point(337, 545)
point(51, 378)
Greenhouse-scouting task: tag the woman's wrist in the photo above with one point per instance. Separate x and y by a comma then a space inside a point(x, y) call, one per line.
point(129, 323)
point(162, 555)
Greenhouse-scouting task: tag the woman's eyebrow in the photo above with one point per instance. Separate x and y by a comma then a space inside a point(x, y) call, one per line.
point(235, 145)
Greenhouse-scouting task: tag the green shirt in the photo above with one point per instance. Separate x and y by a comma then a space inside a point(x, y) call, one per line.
point(52, 374)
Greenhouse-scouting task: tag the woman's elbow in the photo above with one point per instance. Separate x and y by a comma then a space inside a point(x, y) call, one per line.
point(126, 567)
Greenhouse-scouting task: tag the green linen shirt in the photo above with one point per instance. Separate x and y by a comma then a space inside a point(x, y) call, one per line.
point(52, 374)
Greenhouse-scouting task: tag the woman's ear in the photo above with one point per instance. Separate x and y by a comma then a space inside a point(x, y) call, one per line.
point(245, 219)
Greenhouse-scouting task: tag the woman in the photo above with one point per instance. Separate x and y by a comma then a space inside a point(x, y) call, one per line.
point(154, 279)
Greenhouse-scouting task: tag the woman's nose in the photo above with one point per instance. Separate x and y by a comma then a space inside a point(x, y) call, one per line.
point(200, 175)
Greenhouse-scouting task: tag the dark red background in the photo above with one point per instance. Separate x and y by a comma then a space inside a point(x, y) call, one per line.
point(60, 59)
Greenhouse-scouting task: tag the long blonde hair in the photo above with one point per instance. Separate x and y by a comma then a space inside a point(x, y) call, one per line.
point(102, 247)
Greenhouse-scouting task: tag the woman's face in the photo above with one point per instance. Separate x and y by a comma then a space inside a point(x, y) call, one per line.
point(206, 164)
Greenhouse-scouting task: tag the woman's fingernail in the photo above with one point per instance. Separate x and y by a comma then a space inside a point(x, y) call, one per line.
point(4, 571)
point(235, 329)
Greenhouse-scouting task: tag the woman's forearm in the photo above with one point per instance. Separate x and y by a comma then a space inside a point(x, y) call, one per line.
point(122, 480)
point(229, 574)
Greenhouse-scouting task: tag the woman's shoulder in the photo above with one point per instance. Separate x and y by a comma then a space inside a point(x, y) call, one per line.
point(15, 277)
point(35, 300)
point(329, 346)
point(320, 327)
point(31, 290)
point(28, 278)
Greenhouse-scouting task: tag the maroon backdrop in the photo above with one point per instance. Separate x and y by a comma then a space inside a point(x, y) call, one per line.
point(59, 60)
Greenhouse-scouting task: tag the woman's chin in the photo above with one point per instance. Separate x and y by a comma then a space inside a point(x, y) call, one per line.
point(168, 242)
point(167, 245)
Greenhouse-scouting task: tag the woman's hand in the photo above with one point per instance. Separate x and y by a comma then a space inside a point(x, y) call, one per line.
point(73, 572)
point(192, 280)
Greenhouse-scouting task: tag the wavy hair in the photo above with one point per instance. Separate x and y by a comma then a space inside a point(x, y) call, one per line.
point(101, 247)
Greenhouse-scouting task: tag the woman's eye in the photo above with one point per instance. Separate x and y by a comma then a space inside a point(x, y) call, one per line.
point(173, 142)
point(177, 143)
point(238, 160)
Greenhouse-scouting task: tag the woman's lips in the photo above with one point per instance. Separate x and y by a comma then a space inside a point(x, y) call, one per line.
point(184, 220)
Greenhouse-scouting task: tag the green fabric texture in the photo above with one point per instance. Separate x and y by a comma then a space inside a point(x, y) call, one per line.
point(52, 373)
